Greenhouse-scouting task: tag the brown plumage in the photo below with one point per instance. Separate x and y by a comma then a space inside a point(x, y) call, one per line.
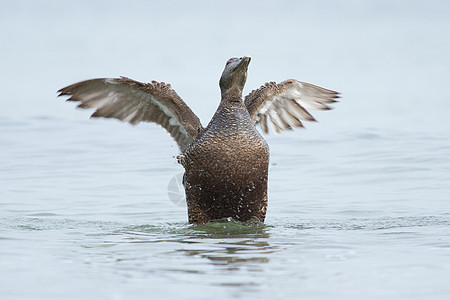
point(226, 163)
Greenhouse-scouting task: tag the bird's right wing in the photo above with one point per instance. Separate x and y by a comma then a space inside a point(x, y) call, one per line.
point(132, 101)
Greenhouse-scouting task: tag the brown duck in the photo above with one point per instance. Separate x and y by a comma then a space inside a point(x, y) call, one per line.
point(226, 163)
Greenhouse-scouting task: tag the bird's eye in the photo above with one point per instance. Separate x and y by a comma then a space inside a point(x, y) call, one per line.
point(232, 60)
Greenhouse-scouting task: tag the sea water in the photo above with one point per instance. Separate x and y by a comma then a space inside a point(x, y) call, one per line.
point(85, 213)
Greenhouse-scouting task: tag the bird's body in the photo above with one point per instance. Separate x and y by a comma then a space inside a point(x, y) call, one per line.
point(226, 169)
point(226, 163)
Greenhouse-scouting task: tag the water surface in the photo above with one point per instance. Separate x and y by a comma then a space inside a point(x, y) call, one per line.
point(85, 213)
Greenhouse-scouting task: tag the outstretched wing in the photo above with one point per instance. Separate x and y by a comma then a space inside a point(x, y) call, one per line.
point(132, 101)
point(283, 106)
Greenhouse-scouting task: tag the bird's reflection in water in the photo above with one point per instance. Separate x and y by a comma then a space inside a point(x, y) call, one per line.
point(225, 253)
point(230, 244)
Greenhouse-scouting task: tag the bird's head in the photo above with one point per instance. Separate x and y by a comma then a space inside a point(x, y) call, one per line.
point(233, 77)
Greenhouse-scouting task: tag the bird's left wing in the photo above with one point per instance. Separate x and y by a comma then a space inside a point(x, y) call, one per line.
point(284, 105)
point(132, 101)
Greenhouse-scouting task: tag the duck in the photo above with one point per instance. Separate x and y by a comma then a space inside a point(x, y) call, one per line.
point(226, 163)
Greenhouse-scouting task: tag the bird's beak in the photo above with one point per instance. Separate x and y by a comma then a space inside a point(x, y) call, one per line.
point(244, 62)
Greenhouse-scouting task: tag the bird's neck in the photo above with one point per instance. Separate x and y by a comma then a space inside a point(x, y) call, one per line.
point(231, 95)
